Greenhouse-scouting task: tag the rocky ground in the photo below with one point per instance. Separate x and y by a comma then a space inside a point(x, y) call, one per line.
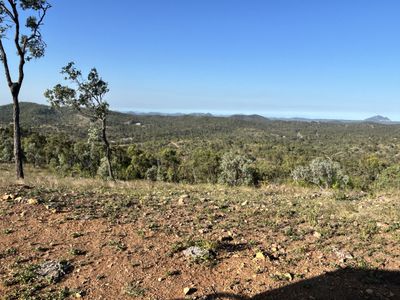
point(70, 238)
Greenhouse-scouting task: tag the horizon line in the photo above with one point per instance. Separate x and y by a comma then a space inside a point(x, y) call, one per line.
point(273, 114)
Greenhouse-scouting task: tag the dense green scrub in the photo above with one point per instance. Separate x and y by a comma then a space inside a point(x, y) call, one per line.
point(196, 149)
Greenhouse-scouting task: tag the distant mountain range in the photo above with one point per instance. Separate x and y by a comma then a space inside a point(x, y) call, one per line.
point(139, 113)
point(137, 127)
point(379, 119)
point(38, 115)
point(254, 117)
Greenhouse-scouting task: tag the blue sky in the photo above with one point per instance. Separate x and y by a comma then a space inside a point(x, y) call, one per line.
point(287, 58)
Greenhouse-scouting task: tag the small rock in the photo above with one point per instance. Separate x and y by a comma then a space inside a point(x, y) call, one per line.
point(196, 252)
point(52, 208)
point(288, 276)
point(54, 270)
point(260, 256)
point(182, 199)
point(160, 279)
point(383, 226)
point(369, 291)
point(32, 201)
point(317, 234)
point(187, 291)
point(343, 255)
point(7, 197)
point(244, 203)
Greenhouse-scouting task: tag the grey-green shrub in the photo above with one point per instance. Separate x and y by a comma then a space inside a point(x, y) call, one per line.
point(102, 171)
point(322, 172)
point(237, 169)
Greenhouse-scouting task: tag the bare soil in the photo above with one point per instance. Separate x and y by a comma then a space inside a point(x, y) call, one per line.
point(126, 241)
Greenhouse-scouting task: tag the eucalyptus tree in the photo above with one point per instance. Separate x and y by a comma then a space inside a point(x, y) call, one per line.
point(26, 38)
point(87, 97)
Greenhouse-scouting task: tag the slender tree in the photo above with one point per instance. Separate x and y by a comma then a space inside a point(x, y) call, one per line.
point(87, 98)
point(28, 43)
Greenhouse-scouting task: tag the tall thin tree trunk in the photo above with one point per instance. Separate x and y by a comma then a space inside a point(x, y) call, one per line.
point(107, 148)
point(18, 155)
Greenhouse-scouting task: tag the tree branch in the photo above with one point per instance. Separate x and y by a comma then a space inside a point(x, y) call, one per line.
point(35, 32)
point(17, 27)
point(7, 11)
point(20, 51)
point(5, 63)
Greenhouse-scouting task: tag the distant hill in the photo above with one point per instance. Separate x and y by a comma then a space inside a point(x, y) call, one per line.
point(130, 126)
point(378, 119)
point(49, 119)
point(126, 128)
point(250, 117)
point(138, 113)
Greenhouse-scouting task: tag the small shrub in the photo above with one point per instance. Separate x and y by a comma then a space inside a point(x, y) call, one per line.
point(389, 178)
point(322, 172)
point(151, 174)
point(102, 171)
point(133, 289)
point(237, 169)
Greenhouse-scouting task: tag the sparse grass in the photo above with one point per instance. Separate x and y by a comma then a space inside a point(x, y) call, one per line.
point(9, 252)
point(282, 217)
point(119, 245)
point(77, 252)
point(25, 275)
point(28, 285)
point(134, 289)
point(8, 231)
point(173, 273)
point(76, 235)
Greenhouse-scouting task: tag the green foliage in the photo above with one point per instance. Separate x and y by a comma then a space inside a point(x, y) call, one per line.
point(34, 150)
point(141, 162)
point(389, 178)
point(190, 148)
point(6, 145)
point(31, 44)
point(152, 173)
point(205, 165)
point(102, 171)
point(87, 97)
point(369, 168)
point(168, 165)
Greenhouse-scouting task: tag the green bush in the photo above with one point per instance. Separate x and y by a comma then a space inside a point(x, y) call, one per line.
point(389, 178)
point(151, 174)
point(141, 161)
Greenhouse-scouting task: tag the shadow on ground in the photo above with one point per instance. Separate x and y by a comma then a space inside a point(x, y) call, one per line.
point(343, 284)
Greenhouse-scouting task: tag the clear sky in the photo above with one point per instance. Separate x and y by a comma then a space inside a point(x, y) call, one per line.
point(310, 58)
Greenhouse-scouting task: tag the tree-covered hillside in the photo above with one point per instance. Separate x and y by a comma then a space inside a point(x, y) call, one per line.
point(203, 148)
